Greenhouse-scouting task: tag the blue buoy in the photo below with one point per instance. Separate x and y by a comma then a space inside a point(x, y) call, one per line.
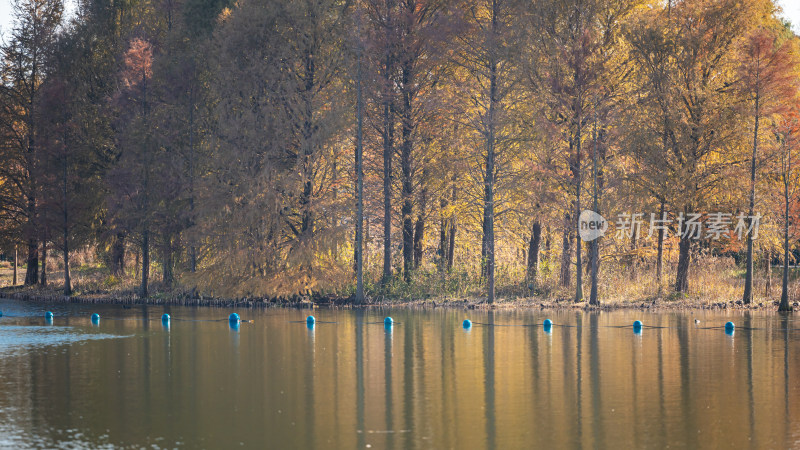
point(729, 326)
point(637, 324)
point(310, 320)
point(467, 323)
point(388, 321)
point(95, 318)
point(165, 318)
point(234, 318)
point(1, 313)
point(547, 325)
point(48, 315)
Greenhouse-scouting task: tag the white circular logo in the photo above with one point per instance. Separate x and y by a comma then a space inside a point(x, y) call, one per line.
point(591, 225)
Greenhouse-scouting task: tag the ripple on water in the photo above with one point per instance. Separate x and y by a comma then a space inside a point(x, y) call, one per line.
point(17, 337)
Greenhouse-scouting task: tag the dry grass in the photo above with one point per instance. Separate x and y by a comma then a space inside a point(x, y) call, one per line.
point(712, 280)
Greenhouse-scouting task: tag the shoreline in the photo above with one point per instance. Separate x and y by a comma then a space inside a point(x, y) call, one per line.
point(530, 303)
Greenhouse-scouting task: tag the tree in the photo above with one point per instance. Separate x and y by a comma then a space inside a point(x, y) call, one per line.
point(485, 57)
point(359, 157)
point(269, 202)
point(381, 44)
point(766, 79)
point(788, 132)
point(686, 57)
point(132, 178)
point(578, 72)
point(24, 57)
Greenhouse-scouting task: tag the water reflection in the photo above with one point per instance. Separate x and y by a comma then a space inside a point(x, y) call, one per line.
point(424, 383)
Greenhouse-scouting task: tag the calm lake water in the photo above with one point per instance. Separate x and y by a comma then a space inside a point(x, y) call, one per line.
point(424, 383)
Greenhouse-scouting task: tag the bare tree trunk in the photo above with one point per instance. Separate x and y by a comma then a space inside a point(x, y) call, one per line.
point(388, 147)
point(684, 259)
point(566, 250)
point(359, 244)
point(192, 248)
point(747, 297)
point(16, 266)
point(547, 242)
point(768, 274)
point(43, 279)
point(451, 246)
point(578, 256)
point(660, 251)
point(32, 269)
point(489, 174)
point(484, 245)
point(145, 263)
point(407, 183)
point(67, 281)
point(634, 255)
point(442, 262)
point(118, 254)
point(595, 246)
point(306, 197)
point(419, 227)
point(784, 305)
point(533, 253)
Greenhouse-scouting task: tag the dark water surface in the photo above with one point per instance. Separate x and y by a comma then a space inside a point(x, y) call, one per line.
point(425, 383)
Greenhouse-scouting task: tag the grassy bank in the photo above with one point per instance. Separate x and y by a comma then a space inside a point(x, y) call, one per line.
point(714, 283)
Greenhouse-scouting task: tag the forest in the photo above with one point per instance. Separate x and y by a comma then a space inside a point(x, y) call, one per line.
point(374, 150)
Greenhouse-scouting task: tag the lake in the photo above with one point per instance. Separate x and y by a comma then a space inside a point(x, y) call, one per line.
point(426, 382)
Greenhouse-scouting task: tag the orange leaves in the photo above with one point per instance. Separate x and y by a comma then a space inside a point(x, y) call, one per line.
point(138, 62)
point(768, 70)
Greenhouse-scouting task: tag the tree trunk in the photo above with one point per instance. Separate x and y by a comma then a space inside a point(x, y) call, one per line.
point(747, 296)
point(406, 168)
point(547, 242)
point(660, 251)
point(419, 236)
point(784, 304)
point(768, 274)
point(16, 266)
point(419, 227)
point(67, 282)
point(533, 253)
point(32, 270)
point(442, 252)
point(145, 263)
point(43, 279)
point(192, 248)
point(684, 259)
point(489, 174)
point(306, 197)
point(118, 254)
point(634, 255)
point(359, 244)
point(451, 246)
point(564, 277)
point(595, 246)
point(578, 256)
point(388, 148)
